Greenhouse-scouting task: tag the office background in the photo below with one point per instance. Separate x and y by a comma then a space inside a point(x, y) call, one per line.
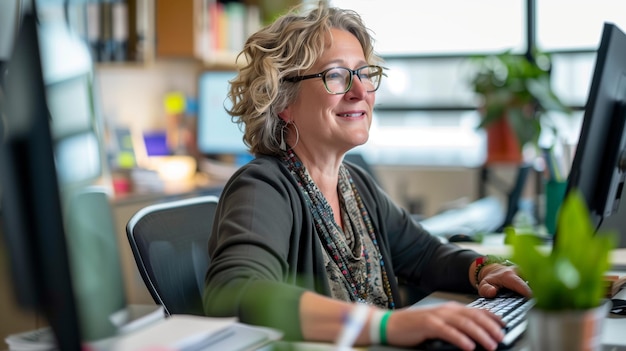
point(426, 112)
point(424, 147)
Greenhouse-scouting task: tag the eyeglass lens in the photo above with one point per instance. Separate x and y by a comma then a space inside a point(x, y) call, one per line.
point(339, 80)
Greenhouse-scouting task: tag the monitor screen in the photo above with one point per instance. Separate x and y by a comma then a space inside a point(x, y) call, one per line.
point(217, 133)
point(75, 138)
point(9, 15)
point(599, 165)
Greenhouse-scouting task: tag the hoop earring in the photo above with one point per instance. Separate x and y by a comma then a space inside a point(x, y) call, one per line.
point(283, 143)
point(297, 134)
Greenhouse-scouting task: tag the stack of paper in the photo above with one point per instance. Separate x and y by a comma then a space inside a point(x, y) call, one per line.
point(177, 332)
point(34, 340)
point(187, 332)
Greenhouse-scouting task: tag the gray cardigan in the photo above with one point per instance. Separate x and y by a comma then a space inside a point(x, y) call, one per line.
point(265, 252)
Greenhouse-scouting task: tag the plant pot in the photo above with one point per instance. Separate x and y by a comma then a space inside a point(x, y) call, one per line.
point(571, 330)
point(502, 144)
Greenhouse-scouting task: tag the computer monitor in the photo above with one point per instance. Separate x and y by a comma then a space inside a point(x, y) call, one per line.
point(217, 133)
point(58, 224)
point(599, 166)
point(34, 231)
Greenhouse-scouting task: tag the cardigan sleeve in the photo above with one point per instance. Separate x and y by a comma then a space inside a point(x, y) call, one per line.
point(248, 276)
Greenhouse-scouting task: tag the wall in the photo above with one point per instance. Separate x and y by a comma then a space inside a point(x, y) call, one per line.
point(132, 95)
point(427, 190)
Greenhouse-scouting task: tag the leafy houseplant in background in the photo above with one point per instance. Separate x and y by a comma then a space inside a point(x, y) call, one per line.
point(516, 96)
point(568, 283)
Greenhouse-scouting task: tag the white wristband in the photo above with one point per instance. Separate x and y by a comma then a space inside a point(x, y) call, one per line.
point(377, 316)
point(352, 327)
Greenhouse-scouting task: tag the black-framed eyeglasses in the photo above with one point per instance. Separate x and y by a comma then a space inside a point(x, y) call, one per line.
point(338, 80)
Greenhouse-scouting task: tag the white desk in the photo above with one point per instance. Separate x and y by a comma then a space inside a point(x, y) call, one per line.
point(494, 245)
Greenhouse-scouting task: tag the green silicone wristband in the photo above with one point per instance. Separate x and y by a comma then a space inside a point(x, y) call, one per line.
point(383, 328)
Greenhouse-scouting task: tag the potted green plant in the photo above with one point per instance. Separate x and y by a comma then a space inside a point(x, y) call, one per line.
point(568, 282)
point(516, 96)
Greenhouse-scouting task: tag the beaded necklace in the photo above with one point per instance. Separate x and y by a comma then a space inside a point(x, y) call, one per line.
point(327, 228)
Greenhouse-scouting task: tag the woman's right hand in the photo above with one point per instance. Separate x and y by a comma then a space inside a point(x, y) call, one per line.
point(453, 322)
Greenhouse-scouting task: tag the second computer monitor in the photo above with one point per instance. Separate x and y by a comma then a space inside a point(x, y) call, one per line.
point(599, 166)
point(217, 133)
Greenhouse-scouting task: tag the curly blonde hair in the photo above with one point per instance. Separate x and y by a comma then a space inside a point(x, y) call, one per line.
point(288, 46)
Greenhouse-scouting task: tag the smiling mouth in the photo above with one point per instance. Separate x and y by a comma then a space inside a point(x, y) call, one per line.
point(359, 114)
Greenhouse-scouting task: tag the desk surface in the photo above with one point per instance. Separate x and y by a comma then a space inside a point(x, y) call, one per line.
point(494, 245)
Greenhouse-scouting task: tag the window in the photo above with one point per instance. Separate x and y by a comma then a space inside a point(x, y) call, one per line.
point(581, 27)
point(410, 27)
point(425, 111)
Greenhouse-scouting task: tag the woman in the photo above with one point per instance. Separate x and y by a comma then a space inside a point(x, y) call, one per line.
point(302, 238)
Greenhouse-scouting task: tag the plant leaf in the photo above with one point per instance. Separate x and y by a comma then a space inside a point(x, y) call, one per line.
point(571, 276)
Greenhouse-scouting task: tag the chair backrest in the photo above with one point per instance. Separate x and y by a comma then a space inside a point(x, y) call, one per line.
point(169, 242)
point(358, 159)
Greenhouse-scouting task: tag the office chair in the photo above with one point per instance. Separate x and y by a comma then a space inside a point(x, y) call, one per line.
point(169, 243)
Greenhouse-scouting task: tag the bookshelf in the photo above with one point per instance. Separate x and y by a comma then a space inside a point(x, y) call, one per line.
point(139, 32)
point(208, 30)
point(116, 31)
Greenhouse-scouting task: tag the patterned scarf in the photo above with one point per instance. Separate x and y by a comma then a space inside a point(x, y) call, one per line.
point(352, 257)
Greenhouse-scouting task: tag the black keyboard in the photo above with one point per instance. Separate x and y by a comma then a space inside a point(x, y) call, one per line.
point(511, 307)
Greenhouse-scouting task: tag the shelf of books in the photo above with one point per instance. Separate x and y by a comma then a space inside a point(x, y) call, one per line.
point(142, 31)
point(211, 31)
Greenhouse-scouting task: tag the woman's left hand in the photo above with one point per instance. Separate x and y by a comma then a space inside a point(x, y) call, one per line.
point(497, 276)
